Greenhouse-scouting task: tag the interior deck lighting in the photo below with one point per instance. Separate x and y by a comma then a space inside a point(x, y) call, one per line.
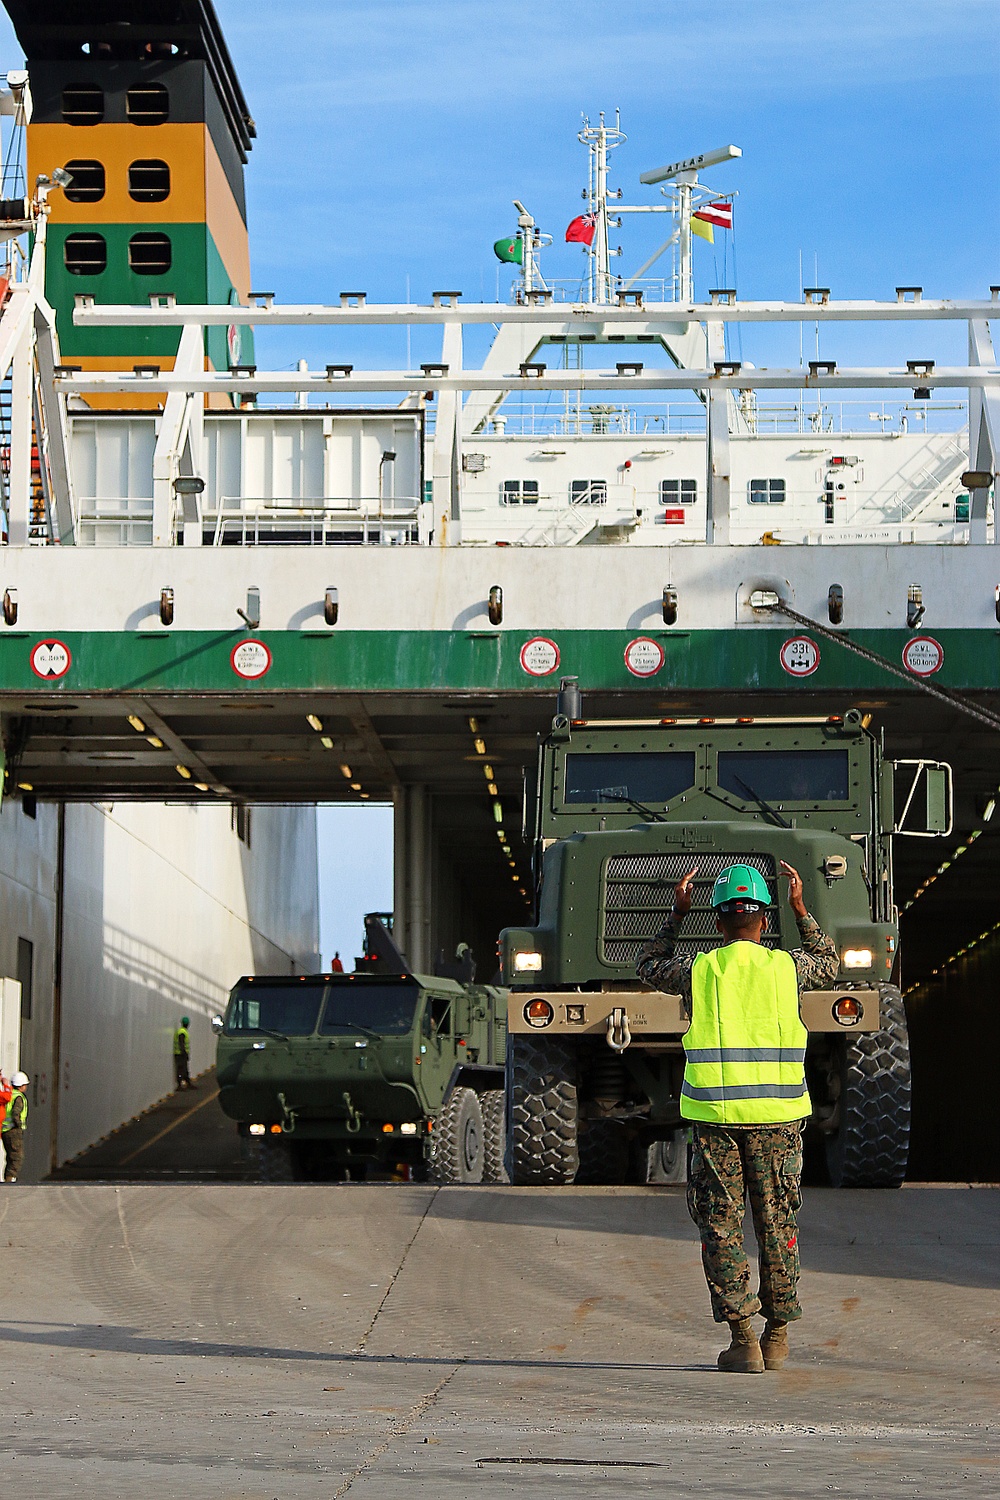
point(316, 722)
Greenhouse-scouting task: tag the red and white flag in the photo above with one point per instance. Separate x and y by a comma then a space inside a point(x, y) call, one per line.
point(720, 214)
point(582, 230)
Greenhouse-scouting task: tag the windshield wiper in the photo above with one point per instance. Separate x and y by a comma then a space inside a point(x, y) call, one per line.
point(279, 1036)
point(765, 806)
point(647, 812)
point(357, 1026)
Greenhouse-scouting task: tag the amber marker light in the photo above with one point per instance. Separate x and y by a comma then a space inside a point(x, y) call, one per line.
point(538, 1013)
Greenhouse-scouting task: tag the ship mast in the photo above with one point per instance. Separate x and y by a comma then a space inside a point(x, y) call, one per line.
point(600, 139)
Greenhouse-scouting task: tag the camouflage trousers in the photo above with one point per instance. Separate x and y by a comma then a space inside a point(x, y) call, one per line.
point(762, 1163)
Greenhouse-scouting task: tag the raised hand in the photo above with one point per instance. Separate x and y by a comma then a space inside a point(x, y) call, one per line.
point(683, 893)
point(795, 899)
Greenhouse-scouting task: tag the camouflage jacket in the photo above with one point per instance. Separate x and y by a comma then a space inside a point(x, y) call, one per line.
point(816, 962)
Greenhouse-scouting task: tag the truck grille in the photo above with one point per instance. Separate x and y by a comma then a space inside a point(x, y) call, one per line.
point(639, 892)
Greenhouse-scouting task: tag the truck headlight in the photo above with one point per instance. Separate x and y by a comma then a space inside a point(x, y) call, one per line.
point(858, 958)
point(256, 1129)
point(527, 963)
point(408, 1128)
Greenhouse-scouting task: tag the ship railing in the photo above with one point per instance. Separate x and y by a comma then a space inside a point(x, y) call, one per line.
point(256, 520)
point(115, 521)
point(574, 289)
point(675, 419)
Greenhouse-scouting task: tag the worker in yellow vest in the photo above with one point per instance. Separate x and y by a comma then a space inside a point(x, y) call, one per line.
point(745, 1093)
point(14, 1122)
point(182, 1054)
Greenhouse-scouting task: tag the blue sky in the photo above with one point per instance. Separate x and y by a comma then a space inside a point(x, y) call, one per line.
point(393, 134)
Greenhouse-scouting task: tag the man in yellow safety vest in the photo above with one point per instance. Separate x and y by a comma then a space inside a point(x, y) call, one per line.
point(182, 1054)
point(745, 1093)
point(14, 1123)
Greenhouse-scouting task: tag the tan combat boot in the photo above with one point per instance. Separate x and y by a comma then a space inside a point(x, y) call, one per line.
point(743, 1356)
point(774, 1345)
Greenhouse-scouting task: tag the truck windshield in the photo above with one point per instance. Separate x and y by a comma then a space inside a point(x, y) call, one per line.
point(289, 1010)
point(786, 775)
point(648, 777)
point(385, 1008)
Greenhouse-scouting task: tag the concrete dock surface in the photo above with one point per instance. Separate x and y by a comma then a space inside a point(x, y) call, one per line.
point(272, 1343)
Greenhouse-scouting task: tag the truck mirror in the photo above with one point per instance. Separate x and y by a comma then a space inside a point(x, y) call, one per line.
point(937, 799)
point(930, 790)
point(217, 1023)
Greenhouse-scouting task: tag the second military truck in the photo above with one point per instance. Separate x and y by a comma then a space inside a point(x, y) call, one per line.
point(336, 1075)
point(617, 812)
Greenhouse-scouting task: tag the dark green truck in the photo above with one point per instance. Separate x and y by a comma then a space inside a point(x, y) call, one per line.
point(338, 1075)
point(617, 811)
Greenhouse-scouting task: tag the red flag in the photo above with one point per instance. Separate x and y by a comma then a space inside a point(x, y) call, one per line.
point(582, 230)
point(720, 214)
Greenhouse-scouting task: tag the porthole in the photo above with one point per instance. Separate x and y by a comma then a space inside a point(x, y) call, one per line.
point(149, 181)
point(149, 254)
point(147, 104)
point(83, 104)
point(88, 181)
point(85, 254)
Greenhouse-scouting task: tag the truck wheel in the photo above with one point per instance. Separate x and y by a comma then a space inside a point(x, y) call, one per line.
point(266, 1161)
point(604, 1154)
point(494, 1110)
point(871, 1144)
point(541, 1112)
point(668, 1160)
point(459, 1146)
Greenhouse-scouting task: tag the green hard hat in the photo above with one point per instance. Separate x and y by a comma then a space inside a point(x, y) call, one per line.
point(185, 1020)
point(740, 883)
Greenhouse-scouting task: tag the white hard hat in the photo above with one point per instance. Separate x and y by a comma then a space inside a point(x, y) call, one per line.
point(20, 1081)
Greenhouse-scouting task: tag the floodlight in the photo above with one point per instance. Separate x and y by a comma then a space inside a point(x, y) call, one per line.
point(61, 177)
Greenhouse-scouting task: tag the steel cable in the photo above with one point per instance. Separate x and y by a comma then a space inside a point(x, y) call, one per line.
point(992, 721)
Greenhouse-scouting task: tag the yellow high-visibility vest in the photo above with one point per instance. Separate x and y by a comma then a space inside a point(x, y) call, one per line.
point(182, 1035)
point(746, 1045)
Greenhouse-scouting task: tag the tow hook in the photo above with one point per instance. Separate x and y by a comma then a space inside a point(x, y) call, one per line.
point(288, 1116)
point(353, 1117)
point(619, 1036)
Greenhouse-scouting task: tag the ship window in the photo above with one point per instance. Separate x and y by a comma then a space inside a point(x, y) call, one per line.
point(386, 1008)
point(83, 104)
point(767, 491)
point(149, 181)
point(147, 104)
point(519, 492)
point(88, 181)
point(588, 492)
point(678, 491)
point(289, 1010)
point(786, 775)
point(85, 254)
point(149, 254)
point(605, 779)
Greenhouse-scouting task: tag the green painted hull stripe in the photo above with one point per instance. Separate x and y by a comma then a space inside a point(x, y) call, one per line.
point(448, 661)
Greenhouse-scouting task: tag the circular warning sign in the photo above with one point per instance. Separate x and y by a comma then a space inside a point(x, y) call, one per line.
point(250, 659)
point(539, 656)
point(644, 657)
point(799, 656)
point(51, 660)
point(923, 655)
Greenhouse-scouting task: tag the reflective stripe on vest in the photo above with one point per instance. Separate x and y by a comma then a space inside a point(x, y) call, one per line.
point(745, 1049)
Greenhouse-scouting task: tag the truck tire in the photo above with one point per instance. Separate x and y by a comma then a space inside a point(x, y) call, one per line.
point(266, 1161)
point(604, 1155)
point(459, 1144)
point(542, 1112)
point(494, 1126)
point(668, 1160)
point(871, 1144)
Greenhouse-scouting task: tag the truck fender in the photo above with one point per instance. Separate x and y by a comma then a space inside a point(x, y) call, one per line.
point(478, 1076)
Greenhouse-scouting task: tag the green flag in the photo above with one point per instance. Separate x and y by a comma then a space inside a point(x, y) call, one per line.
point(510, 250)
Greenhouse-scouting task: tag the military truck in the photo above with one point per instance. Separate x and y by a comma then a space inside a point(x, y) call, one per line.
point(616, 812)
point(338, 1075)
